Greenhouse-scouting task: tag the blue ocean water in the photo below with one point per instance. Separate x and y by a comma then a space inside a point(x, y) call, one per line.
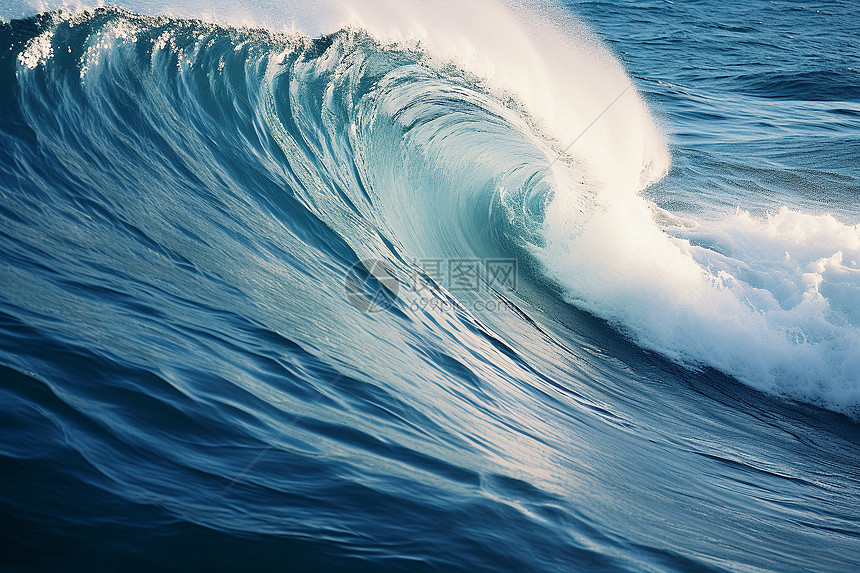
point(569, 287)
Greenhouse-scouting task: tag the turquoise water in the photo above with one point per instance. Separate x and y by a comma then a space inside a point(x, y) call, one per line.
point(446, 288)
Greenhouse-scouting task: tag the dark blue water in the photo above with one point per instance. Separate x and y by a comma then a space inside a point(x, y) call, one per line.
point(197, 370)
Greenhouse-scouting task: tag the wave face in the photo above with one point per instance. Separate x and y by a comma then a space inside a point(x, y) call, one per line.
point(186, 207)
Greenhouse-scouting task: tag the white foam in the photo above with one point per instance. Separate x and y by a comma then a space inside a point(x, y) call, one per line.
point(38, 51)
point(773, 302)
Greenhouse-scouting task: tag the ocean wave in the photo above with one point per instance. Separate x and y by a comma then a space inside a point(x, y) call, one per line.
point(415, 148)
point(189, 209)
point(809, 85)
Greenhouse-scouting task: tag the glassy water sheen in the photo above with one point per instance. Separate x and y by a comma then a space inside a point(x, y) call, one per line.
point(199, 373)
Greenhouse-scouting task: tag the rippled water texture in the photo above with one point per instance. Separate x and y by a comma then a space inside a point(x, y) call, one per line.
point(440, 288)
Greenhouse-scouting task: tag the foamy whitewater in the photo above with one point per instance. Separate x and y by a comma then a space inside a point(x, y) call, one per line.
point(672, 383)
